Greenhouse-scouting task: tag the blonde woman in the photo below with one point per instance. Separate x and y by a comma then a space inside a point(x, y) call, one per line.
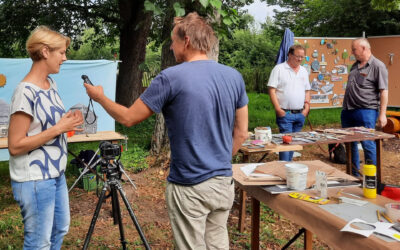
point(38, 146)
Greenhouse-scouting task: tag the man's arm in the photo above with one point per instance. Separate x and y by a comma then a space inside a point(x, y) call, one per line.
point(135, 114)
point(382, 120)
point(240, 128)
point(307, 99)
point(274, 99)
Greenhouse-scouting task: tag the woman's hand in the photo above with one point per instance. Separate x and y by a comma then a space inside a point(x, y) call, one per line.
point(70, 121)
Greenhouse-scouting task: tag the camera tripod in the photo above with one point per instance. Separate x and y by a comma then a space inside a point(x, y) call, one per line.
point(113, 171)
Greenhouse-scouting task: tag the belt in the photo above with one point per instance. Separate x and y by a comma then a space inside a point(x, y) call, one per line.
point(294, 111)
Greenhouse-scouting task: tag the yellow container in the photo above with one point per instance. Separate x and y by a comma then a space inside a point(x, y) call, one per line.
point(369, 184)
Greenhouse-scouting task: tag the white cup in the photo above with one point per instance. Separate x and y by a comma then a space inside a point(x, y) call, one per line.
point(263, 134)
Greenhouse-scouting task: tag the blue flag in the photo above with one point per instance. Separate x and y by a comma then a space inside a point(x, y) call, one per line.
point(287, 41)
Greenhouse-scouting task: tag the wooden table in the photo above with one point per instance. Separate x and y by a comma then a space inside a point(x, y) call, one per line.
point(312, 218)
point(377, 136)
point(99, 136)
point(270, 148)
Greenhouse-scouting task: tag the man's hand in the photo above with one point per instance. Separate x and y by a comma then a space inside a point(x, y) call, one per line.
point(280, 112)
point(382, 120)
point(94, 92)
point(304, 112)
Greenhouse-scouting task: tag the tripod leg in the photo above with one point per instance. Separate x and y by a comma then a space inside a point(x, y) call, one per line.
point(135, 221)
point(94, 219)
point(114, 202)
point(116, 211)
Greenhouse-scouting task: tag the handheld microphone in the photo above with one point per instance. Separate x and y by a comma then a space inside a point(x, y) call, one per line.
point(86, 79)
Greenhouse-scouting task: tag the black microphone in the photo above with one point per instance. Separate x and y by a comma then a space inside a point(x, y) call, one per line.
point(86, 79)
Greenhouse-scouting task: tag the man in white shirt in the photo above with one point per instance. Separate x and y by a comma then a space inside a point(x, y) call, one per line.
point(289, 89)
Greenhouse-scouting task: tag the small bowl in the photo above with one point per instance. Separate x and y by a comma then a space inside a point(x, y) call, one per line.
point(393, 211)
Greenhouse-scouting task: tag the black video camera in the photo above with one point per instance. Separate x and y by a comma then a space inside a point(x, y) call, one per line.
point(109, 151)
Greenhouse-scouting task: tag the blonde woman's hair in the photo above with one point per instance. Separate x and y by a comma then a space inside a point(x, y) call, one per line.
point(43, 36)
point(201, 34)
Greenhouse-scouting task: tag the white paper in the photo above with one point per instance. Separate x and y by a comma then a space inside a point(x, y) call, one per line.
point(249, 168)
point(353, 201)
point(383, 228)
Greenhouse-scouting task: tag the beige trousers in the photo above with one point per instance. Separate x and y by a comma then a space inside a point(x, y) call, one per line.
point(199, 213)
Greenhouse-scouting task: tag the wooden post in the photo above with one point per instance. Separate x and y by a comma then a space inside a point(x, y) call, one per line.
point(242, 210)
point(246, 158)
point(255, 224)
point(308, 240)
point(348, 156)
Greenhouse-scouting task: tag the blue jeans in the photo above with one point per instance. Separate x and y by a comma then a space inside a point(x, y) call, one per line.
point(288, 124)
point(45, 211)
point(356, 118)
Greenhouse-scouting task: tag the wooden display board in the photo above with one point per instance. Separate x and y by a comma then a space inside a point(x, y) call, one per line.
point(328, 81)
point(384, 48)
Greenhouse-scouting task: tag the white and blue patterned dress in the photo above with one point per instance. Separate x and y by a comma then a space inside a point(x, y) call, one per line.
point(46, 109)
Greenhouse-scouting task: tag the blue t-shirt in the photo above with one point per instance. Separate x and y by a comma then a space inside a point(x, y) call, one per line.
point(198, 100)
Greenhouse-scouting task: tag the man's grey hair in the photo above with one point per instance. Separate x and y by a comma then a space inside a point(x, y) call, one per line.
point(363, 42)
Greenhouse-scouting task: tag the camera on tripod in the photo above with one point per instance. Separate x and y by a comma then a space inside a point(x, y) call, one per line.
point(109, 151)
point(113, 169)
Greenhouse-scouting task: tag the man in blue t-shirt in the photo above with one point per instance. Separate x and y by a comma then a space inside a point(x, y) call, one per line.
point(205, 108)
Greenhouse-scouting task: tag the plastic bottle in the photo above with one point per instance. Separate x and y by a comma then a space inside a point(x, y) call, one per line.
point(369, 184)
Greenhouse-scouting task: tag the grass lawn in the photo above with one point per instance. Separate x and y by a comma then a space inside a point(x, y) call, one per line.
point(262, 113)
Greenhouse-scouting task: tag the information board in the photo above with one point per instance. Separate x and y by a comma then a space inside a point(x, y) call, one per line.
point(328, 61)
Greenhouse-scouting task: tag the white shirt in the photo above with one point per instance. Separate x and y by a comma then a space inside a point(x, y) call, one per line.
point(46, 109)
point(290, 86)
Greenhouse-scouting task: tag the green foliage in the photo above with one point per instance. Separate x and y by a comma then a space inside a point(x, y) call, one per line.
point(152, 65)
point(388, 5)
point(139, 141)
point(341, 18)
point(19, 17)
point(11, 228)
point(253, 54)
point(90, 50)
point(256, 79)
point(178, 9)
point(150, 6)
point(135, 159)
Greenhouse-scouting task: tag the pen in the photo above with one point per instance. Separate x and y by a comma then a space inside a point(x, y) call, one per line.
point(387, 217)
point(378, 214)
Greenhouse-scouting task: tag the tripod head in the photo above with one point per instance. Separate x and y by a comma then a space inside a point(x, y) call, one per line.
point(109, 151)
point(112, 167)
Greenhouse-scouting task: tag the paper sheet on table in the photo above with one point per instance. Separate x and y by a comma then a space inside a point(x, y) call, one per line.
point(277, 168)
point(248, 170)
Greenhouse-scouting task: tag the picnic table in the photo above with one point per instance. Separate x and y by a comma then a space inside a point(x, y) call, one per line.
point(311, 217)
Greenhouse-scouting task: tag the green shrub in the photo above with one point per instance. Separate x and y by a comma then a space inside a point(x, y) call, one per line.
point(135, 159)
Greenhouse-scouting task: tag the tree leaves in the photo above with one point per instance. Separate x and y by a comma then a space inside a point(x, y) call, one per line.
point(389, 5)
point(216, 4)
point(150, 6)
point(179, 11)
point(204, 3)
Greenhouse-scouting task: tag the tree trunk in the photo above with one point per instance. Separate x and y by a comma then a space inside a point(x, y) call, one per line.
point(134, 30)
point(160, 140)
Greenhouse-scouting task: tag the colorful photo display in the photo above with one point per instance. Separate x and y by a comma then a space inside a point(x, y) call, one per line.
point(328, 65)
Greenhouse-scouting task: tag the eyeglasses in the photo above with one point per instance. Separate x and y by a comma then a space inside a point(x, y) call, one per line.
point(299, 57)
